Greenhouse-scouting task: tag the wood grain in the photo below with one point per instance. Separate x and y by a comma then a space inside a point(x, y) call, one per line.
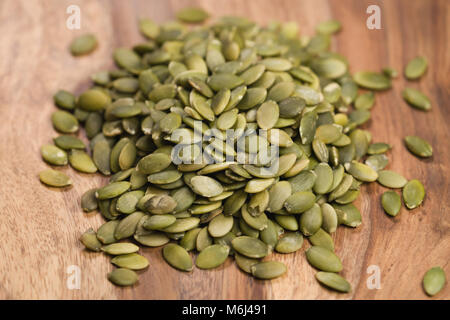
point(39, 227)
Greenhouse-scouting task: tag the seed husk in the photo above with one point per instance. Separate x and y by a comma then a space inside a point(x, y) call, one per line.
point(391, 179)
point(177, 257)
point(256, 222)
point(212, 256)
point(377, 162)
point(413, 194)
point(391, 203)
point(267, 115)
point(378, 148)
point(54, 178)
point(416, 99)
point(434, 280)
point(365, 101)
point(418, 146)
point(329, 218)
point(416, 68)
point(333, 281)
point(323, 259)
point(123, 277)
point(83, 44)
point(268, 270)
point(131, 261)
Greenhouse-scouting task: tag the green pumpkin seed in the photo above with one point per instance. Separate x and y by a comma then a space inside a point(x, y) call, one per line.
point(299, 202)
point(413, 194)
point(311, 220)
point(203, 239)
point(83, 44)
point(418, 146)
point(361, 171)
point(189, 240)
point(69, 142)
point(127, 226)
point(224, 81)
point(244, 263)
point(328, 27)
point(82, 162)
point(252, 98)
point(378, 148)
point(192, 15)
point(276, 64)
point(268, 270)
point(304, 181)
point(434, 280)
point(320, 150)
point(182, 225)
point(351, 215)
point(93, 100)
point(152, 239)
point(258, 185)
point(416, 68)
point(324, 178)
point(329, 218)
point(250, 247)
point(54, 155)
point(288, 222)
point(116, 249)
point(372, 80)
point(54, 178)
point(323, 239)
point(212, 256)
point(123, 277)
point(177, 257)
point(101, 156)
point(416, 99)
point(131, 261)
point(64, 100)
point(220, 225)
point(333, 281)
point(391, 203)
point(64, 122)
point(206, 186)
point(112, 190)
point(256, 222)
point(106, 232)
point(391, 179)
point(89, 201)
point(377, 162)
point(365, 101)
point(323, 259)
point(267, 115)
point(220, 101)
point(90, 241)
point(289, 242)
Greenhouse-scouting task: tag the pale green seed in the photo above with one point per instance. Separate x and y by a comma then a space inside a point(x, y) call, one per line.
point(377, 162)
point(244, 263)
point(372, 80)
point(250, 247)
point(64, 100)
point(212, 256)
point(54, 178)
point(333, 281)
point(127, 226)
point(258, 185)
point(268, 270)
point(90, 241)
point(361, 171)
point(416, 99)
point(416, 68)
point(328, 27)
point(365, 101)
point(299, 201)
point(106, 232)
point(54, 155)
point(311, 220)
point(206, 186)
point(93, 100)
point(89, 201)
point(64, 122)
point(323, 259)
point(69, 142)
point(83, 44)
point(101, 155)
point(192, 15)
point(378, 148)
point(81, 161)
point(267, 115)
point(391, 179)
point(112, 190)
point(329, 218)
point(323, 239)
point(418, 146)
point(177, 257)
point(116, 249)
point(131, 261)
point(276, 64)
point(182, 225)
point(324, 179)
point(256, 222)
point(413, 194)
point(123, 277)
point(289, 242)
point(434, 280)
point(391, 203)
point(220, 225)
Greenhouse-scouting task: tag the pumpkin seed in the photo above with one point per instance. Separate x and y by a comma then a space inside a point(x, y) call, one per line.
point(418, 146)
point(131, 261)
point(54, 178)
point(112, 190)
point(81, 161)
point(220, 225)
point(182, 225)
point(83, 44)
point(391, 203)
point(212, 256)
point(93, 100)
point(416, 99)
point(177, 257)
point(127, 226)
point(333, 281)
point(192, 15)
point(64, 99)
point(106, 232)
point(416, 68)
point(378, 148)
point(328, 27)
point(89, 201)
point(323, 239)
point(361, 171)
point(189, 240)
point(413, 194)
point(365, 101)
point(244, 263)
point(311, 220)
point(377, 162)
point(329, 218)
point(391, 179)
point(69, 142)
point(289, 242)
point(299, 202)
point(372, 80)
point(54, 155)
point(90, 241)
point(434, 280)
point(250, 247)
point(256, 222)
point(116, 249)
point(206, 186)
point(323, 259)
point(267, 115)
point(123, 277)
point(64, 122)
point(268, 270)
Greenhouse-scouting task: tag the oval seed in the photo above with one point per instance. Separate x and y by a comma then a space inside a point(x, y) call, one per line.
point(177, 257)
point(299, 201)
point(54, 155)
point(220, 225)
point(192, 15)
point(250, 247)
point(418, 146)
point(212, 256)
point(434, 280)
point(89, 201)
point(372, 80)
point(244, 263)
point(416, 99)
point(131, 261)
point(64, 99)
point(323, 239)
point(90, 241)
point(83, 44)
point(413, 194)
point(81, 161)
point(123, 277)
point(93, 100)
point(64, 122)
point(333, 281)
point(289, 242)
point(267, 115)
point(67, 142)
point(120, 248)
point(361, 171)
point(206, 186)
point(416, 68)
point(54, 178)
point(323, 259)
point(112, 190)
point(268, 270)
point(391, 179)
point(391, 203)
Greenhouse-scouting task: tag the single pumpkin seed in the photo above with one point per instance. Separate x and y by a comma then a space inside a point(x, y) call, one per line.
point(83, 44)
point(112, 190)
point(413, 194)
point(54, 155)
point(434, 280)
point(90, 241)
point(212, 256)
point(268, 270)
point(177, 257)
point(416, 99)
point(323, 239)
point(131, 261)
point(391, 179)
point(372, 80)
point(333, 281)
point(123, 277)
point(250, 247)
point(323, 259)
point(418, 146)
point(54, 178)
point(116, 249)
point(416, 68)
point(64, 122)
point(391, 203)
point(89, 201)
point(289, 242)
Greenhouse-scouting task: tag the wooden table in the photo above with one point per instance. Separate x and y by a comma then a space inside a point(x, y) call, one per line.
point(39, 227)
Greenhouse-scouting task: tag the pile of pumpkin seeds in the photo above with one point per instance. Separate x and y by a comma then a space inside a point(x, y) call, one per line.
point(235, 75)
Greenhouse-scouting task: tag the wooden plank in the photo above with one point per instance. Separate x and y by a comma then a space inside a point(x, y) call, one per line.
point(40, 227)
